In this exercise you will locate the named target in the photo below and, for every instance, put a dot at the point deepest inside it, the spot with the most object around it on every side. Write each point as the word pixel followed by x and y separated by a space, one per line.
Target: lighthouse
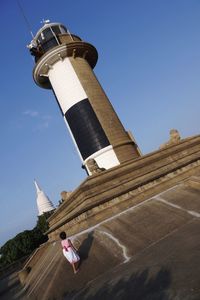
pixel 64 63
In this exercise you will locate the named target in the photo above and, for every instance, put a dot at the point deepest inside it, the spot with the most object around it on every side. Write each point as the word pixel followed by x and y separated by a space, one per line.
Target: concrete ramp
pixel 150 251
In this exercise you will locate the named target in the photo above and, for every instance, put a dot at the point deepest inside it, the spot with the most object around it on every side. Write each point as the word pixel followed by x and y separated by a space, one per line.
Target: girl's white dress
pixel 69 252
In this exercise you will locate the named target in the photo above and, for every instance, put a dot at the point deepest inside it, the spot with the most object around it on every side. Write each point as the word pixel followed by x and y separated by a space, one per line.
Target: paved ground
pixel 149 252
pixel 166 270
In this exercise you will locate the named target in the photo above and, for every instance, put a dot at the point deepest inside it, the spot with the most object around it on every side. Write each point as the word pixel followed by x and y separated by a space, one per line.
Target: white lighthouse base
pixel 105 158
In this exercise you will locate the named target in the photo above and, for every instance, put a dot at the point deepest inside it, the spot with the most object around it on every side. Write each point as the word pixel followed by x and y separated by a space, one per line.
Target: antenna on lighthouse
pixel 25 18
pixel 45 21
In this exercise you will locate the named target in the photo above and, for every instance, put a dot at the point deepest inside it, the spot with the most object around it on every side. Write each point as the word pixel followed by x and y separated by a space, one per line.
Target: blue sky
pixel 149 66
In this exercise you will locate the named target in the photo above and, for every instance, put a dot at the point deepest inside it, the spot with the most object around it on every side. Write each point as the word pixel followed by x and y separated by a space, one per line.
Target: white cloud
pixel 31 113
pixel 43 121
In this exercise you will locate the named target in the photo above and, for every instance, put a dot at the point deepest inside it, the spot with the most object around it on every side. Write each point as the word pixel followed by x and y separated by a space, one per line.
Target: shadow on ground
pixel 139 286
pixel 85 247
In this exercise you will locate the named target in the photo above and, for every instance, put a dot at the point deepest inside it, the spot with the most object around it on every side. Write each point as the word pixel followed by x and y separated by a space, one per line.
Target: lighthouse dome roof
pixel 56 28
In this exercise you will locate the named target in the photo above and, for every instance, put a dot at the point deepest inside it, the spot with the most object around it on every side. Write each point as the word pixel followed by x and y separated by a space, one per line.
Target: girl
pixel 69 251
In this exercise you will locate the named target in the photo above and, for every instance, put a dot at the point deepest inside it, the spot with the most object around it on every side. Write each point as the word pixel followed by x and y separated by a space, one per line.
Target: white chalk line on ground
pixel 43 262
pixel 190 212
pixel 119 214
pixel 52 279
pixel 43 274
pixel 31 277
pixel 92 228
pixel 122 247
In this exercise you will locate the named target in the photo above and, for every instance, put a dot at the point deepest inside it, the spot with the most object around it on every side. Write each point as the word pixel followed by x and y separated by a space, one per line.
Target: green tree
pixel 25 242
pixel 42 222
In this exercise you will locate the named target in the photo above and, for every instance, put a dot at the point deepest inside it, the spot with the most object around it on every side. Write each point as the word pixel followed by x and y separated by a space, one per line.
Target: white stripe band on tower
pixel 66 84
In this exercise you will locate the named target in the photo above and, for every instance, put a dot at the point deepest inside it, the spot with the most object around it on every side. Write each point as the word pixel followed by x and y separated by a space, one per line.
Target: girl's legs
pixel 77 265
pixel 74 268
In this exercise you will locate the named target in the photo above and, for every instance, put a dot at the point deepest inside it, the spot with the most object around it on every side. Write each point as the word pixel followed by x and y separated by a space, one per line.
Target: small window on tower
pixel 56 29
pixel 63 29
pixel 48 34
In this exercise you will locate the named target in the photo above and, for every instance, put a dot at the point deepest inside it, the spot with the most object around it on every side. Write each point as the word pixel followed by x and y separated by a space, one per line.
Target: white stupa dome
pixel 43 202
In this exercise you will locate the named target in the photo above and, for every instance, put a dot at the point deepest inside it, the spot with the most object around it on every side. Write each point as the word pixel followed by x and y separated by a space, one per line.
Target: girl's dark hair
pixel 63 235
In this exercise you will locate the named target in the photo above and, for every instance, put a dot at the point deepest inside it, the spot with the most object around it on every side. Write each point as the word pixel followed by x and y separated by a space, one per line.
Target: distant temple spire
pixel 43 202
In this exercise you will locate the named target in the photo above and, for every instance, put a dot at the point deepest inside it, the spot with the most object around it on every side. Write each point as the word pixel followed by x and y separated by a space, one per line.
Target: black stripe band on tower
pixel 86 128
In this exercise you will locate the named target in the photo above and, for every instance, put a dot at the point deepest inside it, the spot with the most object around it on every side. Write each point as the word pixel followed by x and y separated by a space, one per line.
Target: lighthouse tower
pixel 43 202
pixel 64 63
